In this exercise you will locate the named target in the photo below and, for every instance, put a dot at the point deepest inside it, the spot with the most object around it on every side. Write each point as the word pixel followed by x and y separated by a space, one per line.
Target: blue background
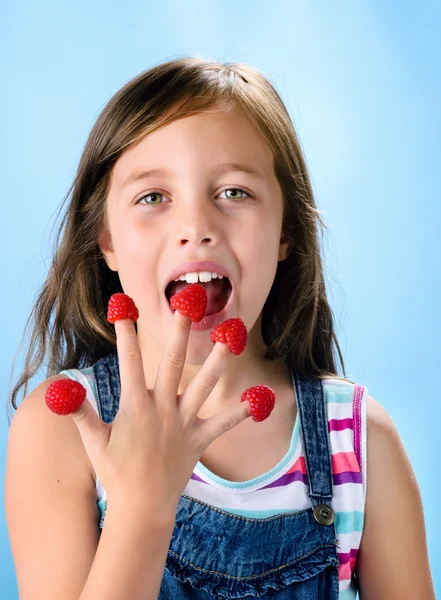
pixel 362 84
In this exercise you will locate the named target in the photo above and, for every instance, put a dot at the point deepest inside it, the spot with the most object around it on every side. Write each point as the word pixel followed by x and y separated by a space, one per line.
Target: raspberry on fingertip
pixel 191 302
pixel 232 332
pixel 64 396
pixel 121 306
pixel 262 400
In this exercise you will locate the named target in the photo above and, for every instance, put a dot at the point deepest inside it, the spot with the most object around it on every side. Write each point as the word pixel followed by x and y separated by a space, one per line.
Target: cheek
pixel 259 241
pixel 137 258
pixel 259 260
pixel 135 244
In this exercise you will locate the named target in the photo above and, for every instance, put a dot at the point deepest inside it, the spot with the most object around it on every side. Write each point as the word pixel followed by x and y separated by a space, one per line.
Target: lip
pixel 197 266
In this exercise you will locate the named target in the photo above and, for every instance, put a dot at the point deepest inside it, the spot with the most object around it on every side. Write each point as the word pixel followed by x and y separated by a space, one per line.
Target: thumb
pixel 227 419
pixel 93 431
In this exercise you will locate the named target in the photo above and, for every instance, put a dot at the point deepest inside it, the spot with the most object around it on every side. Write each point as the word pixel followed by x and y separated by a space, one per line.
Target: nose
pixel 197 226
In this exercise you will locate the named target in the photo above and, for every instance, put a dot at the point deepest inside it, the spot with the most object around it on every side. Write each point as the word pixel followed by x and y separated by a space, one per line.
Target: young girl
pixel 160 485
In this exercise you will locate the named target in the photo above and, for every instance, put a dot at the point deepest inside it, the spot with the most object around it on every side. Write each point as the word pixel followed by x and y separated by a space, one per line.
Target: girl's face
pixel 196 207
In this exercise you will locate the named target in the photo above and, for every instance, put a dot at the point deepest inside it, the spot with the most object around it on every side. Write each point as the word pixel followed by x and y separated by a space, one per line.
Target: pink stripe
pixel 356 415
pixel 339 424
pixel 344 461
pixel 345 571
pixel 299 465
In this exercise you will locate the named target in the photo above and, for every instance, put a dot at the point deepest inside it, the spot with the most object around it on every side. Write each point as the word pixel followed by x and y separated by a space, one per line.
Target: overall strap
pixel 106 372
pixel 311 405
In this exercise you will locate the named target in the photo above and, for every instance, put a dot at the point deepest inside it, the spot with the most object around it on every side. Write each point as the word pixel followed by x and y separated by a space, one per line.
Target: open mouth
pixel 218 293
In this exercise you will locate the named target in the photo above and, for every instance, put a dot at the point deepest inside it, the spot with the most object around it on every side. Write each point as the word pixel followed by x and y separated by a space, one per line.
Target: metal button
pixel 324 514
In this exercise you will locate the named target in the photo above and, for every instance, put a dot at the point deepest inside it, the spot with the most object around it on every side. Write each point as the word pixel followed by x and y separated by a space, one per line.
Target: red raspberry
pixel 64 396
pixel 262 400
pixel 232 332
pixel 120 307
pixel 191 302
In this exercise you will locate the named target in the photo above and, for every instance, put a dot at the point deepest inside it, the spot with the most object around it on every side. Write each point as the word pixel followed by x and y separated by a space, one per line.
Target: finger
pixel 173 360
pixel 129 358
pixel 227 419
pixel 203 384
pixel 92 429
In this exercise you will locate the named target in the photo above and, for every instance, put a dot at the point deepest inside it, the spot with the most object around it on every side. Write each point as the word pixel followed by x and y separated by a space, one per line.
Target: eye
pixel 158 195
pixel 233 198
pixel 148 196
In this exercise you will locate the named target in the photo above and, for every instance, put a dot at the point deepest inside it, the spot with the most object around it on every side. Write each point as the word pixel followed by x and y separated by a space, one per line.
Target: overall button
pixel 324 514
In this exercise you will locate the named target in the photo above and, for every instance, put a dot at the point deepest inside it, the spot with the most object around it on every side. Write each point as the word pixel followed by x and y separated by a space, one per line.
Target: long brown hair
pixel 69 325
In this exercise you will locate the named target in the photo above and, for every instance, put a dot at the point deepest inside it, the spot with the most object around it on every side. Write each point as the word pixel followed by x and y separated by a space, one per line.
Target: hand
pixel 156 438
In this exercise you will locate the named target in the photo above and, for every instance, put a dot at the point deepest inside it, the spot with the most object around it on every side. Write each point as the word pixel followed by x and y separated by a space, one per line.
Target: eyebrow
pixel 219 170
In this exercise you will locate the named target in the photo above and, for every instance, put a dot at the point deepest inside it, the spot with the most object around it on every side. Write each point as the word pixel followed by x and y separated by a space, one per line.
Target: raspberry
pixel 191 302
pixel 232 332
pixel 64 396
pixel 120 307
pixel 262 400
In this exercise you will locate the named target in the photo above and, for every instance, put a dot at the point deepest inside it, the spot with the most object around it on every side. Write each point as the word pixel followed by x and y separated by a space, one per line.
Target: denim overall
pixel 216 554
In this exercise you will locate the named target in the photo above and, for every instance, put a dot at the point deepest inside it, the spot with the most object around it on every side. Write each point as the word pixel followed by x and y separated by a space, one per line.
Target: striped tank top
pixel 284 488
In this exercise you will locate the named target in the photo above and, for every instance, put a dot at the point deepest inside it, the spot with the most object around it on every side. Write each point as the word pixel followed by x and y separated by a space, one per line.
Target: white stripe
pixel 339 410
pixel 342 441
pixel 348 541
pixel 348 497
pixel 290 497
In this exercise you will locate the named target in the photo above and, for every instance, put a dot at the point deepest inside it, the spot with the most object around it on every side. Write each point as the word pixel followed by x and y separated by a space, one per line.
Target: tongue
pixel 216 293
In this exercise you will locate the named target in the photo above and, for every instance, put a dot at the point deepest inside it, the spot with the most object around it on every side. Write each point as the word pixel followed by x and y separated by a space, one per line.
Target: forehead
pixel 197 142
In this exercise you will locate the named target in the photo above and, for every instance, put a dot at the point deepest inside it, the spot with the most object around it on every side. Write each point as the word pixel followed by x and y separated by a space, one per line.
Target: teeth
pixel 203 277
pixel 191 277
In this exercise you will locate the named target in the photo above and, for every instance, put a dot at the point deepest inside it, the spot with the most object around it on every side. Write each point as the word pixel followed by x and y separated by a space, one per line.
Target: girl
pixel 160 485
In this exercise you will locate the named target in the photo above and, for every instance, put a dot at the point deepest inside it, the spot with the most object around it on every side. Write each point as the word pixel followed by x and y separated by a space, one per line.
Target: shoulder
pixel 33 419
pixel 50 500
pixel 393 560
pixel 34 402
pixel 389 471
pixel 377 417
pixel 385 449
pixel 391 481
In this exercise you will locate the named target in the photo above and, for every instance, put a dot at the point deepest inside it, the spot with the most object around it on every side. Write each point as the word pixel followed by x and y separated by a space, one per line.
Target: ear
pixel 106 247
pixel 283 250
